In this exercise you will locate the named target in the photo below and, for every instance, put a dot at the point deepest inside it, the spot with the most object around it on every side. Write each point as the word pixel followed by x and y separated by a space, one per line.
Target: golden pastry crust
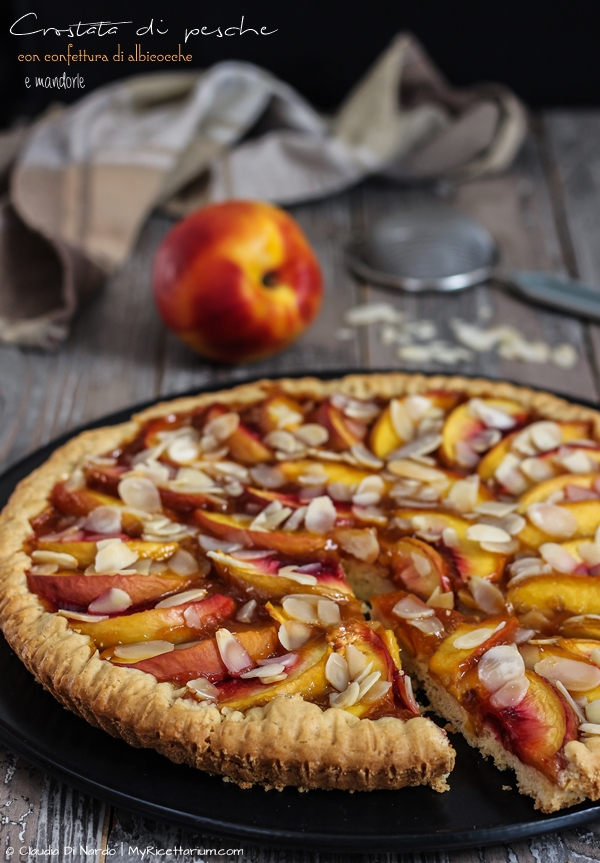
pixel 290 741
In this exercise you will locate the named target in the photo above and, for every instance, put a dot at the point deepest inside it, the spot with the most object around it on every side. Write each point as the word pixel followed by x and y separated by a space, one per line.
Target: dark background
pixel 547 52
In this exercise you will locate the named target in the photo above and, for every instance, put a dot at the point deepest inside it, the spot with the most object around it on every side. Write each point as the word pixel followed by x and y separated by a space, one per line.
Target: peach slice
pixel 265 497
pixel 306 677
pixel 555 597
pixel 379 647
pixel 537 728
pixel 260 578
pixel 65 590
pixel 80 502
pixel 542 491
pixel 227 528
pixel 461 425
pixel 343 433
pixel 384 438
pixel 332 471
pixel 244 444
pixel 85 552
pixel 587 517
pixel 413 640
pixel 280 411
pixel 469 557
pixel 176 624
pixel 204 659
pixel 419 567
pixel 491 460
pixel 452 662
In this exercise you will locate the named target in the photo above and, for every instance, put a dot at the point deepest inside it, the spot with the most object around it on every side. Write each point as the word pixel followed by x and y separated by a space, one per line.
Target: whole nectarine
pixel 237 281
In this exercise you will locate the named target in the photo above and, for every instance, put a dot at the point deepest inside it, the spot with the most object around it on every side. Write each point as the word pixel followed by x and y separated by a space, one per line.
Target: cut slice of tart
pixel 512 696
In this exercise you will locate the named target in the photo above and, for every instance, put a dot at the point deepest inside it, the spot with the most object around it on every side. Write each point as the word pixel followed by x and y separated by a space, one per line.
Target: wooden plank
pixel 574 149
pixel 20 794
pixel 68 819
pixel 516 209
pixel 109 362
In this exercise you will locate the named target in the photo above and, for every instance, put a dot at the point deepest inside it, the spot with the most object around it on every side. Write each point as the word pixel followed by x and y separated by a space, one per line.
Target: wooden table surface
pixel 544 213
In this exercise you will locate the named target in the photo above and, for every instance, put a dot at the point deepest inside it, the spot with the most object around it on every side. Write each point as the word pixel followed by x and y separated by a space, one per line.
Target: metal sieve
pixel 435 248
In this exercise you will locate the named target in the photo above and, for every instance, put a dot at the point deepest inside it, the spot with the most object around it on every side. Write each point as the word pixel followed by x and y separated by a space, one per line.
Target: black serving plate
pixel 476 811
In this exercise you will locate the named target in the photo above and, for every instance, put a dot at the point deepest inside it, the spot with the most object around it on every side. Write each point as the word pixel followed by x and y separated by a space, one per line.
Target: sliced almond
pixel 347 698
pixel 142 650
pixel 576 676
pixel 441 599
pixel 577 461
pixel 62 560
pixel 233 653
pixel 111 601
pixel 552 519
pixel 291 572
pixel 545 435
pixel 428 626
pixel 84 618
pixel 498 665
pixel 412 608
pixel 508 474
pixel 268 476
pixel 183 563
pixel 312 434
pixel 592 711
pixel 490 416
pixel 181 598
pixel 495 508
pixel 320 515
pixel 558 557
pixel 293 634
pixel 365 457
pixel 536 469
pixel 473 638
pixel 401 421
pixel 328 612
pixel 299 609
pixel 336 672
pixel 370 515
pixel 203 688
pixel 511 694
pixel 412 470
pixel 488 597
pixel 103 519
pixel 246 612
pixel 464 493
pixel 487 533
pixel 113 556
pixel 265 673
pixel 360 543
pixel 222 427
pixel 140 493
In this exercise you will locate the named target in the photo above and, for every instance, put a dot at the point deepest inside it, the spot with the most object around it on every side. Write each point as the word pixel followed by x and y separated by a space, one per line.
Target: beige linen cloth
pixel 83 179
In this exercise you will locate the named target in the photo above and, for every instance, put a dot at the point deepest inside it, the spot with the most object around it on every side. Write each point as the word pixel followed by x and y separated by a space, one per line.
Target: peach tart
pixel 245 580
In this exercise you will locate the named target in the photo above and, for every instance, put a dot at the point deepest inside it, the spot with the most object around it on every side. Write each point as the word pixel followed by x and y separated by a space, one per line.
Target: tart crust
pixel 289 741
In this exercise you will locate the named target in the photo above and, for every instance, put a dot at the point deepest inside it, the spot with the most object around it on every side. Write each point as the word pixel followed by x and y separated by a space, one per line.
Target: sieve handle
pixel 567 295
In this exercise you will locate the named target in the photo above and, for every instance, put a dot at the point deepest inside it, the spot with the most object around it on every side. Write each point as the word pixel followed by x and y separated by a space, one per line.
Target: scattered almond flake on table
pixel 373 313
pixel 434 352
pixel 416 340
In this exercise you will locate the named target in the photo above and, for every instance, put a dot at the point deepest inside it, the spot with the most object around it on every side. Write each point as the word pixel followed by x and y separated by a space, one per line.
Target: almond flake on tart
pixel 231 579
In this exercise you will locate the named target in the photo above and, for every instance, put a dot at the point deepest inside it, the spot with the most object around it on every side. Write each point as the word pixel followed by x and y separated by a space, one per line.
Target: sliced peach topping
pixel 465 424
pixel 176 624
